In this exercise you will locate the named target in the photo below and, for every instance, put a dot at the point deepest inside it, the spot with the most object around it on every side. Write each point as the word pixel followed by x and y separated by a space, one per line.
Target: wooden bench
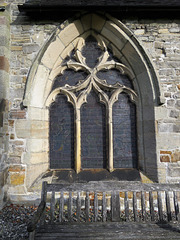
pixel 106 206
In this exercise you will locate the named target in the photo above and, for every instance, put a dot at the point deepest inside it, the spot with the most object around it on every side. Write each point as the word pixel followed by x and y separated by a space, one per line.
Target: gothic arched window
pixel 93 117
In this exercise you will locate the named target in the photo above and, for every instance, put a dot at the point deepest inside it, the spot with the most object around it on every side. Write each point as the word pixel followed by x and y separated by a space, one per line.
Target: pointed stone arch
pixel 127 49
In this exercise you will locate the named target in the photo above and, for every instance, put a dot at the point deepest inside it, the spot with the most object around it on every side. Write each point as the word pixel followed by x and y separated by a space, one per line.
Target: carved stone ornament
pixel 101 87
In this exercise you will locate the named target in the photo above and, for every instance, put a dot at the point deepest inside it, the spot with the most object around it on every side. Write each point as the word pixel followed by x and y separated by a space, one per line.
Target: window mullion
pixel 110 138
pixel 77 140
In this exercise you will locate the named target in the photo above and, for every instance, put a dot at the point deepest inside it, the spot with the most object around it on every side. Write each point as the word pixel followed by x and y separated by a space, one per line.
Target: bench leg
pixel 31 235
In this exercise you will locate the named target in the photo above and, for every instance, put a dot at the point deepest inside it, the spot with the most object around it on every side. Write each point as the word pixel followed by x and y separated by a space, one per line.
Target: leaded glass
pixel 93 133
pixel 61 134
pixel 124 132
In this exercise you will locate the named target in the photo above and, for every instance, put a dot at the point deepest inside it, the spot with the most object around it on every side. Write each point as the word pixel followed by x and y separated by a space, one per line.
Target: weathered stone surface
pixel 16 168
pixel 52 53
pixel 38 98
pixel 68 34
pixel 97 22
pixel 17 114
pixel 30 48
pixel 22 128
pixel 174 114
pixel 37 145
pixel 165 158
pixel 112 33
pixel 166 127
pixel 139 32
pixel 17 179
pixel 34 171
pixel 4 63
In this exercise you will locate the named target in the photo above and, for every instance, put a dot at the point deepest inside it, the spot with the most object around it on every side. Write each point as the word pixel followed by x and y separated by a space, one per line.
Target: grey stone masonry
pixel 4 95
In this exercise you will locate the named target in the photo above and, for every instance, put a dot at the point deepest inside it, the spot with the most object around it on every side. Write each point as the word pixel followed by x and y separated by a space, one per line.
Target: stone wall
pixel 4 94
pixel 161 41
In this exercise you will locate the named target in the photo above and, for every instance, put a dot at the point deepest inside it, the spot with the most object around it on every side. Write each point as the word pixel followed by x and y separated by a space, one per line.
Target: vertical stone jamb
pixel 4 94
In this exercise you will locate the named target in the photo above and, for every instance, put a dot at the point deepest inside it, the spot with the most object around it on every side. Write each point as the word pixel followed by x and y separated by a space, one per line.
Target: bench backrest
pixel 109 202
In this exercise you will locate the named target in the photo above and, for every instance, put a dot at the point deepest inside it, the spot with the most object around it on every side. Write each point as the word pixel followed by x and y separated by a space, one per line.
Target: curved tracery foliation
pixel 97 86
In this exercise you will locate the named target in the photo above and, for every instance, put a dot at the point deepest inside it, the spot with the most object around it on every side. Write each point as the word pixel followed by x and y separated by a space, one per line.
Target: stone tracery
pixel 78 93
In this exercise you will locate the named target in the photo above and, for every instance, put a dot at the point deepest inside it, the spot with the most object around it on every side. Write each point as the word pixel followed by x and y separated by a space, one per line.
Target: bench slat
pixel 61 207
pixel 151 206
pixel 104 209
pixel 176 206
pixel 126 205
pixel 143 206
pixel 78 206
pixel 168 207
pixel 115 206
pixel 52 206
pixel 70 207
pixel 44 198
pixel 135 207
pixel 87 205
pixel 160 211
pixel 95 207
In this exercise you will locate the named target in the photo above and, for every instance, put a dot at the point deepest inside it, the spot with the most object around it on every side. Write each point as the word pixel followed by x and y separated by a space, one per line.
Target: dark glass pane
pixel 124 133
pixel 69 77
pixel 61 133
pixel 113 76
pixel 91 51
pixel 93 133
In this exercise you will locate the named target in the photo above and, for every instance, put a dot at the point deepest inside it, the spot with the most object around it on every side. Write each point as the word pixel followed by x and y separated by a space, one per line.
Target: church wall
pixel 25 129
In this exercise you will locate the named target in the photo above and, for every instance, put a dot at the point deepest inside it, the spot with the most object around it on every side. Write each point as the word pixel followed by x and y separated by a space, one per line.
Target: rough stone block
pixel 173 170
pixel 114 34
pixel 38 113
pixel 97 22
pixel 11 123
pixel 86 21
pixel 174 114
pixel 37 145
pixel 4 64
pixel 14 160
pixel 177 105
pixel 16 168
pixel 176 127
pixel 27 49
pixel 37 158
pixel 175 156
pixel 37 91
pixel 163 31
pixel 16 48
pixel 160 112
pixel 170 103
pixel 39 129
pixel 34 171
pixel 66 52
pixel 17 114
pixel 17 178
pixel 139 32
pixel 72 31
pixel 165 158
pixel 52 53
pixel 165 152
pixel 166 127
pixel 134 60
pixel 22 128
